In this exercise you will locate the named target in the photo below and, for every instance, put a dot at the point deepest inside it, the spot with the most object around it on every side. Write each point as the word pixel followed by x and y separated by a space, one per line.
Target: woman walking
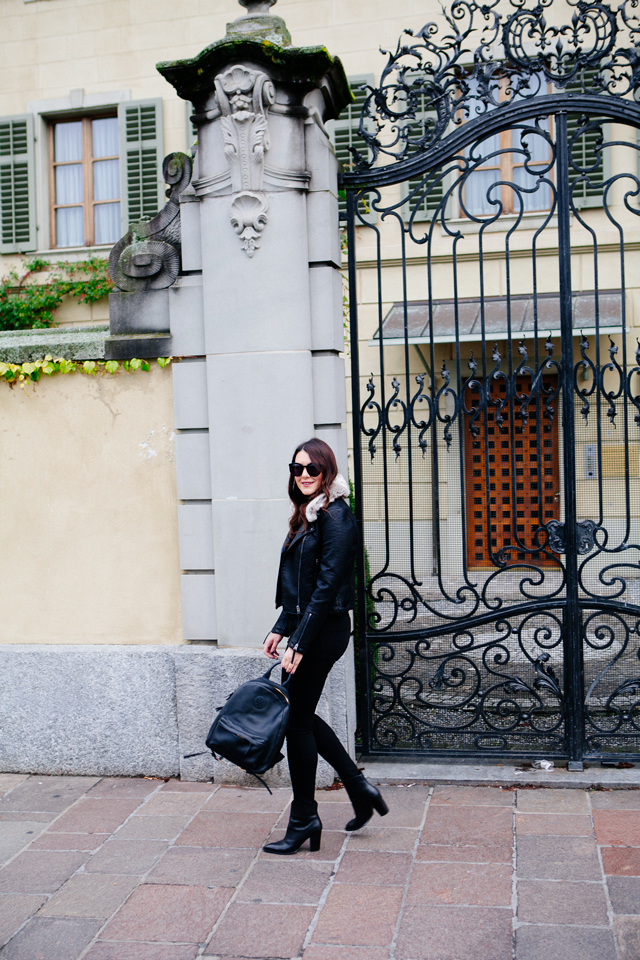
pixel 316 591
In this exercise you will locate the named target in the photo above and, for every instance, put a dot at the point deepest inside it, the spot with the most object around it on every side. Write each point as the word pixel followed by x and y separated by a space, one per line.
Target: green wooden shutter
pixel 584 155
pixel 141 154
pixel 344 131
pixel 17 185
pixel 434 191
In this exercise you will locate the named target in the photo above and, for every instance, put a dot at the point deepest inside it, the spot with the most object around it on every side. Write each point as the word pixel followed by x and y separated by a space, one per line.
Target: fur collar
pixel 339 488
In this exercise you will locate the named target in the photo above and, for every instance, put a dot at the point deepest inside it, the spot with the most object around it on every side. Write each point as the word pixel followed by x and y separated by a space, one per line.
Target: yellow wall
pixel 89 511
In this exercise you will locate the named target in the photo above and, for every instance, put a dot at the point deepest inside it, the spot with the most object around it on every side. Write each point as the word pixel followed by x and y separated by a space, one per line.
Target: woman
pixel 315 590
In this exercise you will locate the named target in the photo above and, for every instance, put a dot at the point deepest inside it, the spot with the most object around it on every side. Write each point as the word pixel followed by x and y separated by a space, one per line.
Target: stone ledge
pixel 499 775
pixel 72 343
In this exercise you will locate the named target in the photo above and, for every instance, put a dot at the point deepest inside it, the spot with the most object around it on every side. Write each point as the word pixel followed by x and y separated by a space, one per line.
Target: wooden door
pixel 536 484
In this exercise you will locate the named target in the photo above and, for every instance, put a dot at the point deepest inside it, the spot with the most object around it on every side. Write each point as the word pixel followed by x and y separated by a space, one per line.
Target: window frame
pixel 88 201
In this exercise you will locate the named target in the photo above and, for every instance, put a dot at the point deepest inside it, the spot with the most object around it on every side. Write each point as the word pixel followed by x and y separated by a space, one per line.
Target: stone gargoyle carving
pixel 244 95
pixel 148 256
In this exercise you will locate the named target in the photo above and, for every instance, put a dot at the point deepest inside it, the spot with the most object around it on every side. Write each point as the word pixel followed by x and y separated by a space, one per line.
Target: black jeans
pixel 307 734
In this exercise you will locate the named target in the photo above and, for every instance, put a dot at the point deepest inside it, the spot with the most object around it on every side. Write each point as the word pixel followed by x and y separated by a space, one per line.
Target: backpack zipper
pixel 299 574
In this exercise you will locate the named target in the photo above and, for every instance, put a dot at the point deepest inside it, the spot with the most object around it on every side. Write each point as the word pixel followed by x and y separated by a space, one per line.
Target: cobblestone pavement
pixel 137 869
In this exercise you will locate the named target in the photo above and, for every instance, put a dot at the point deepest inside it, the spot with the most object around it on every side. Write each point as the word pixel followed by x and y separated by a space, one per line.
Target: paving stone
pixel 621 861
pixel 464 824
pixel 615 799
pixel 168 913
pixel 285 882
pixel 261 930
pixel 228 829
pixel 387 839
pixel 172 804
pixel 617 827
pixel 628 934
pixel 454 933
pixel 335 816
pixel 465 852
pixel 46 794
pixel 330 847
pixel 557 858
pixel 9 781
pixel 15 836
pixel 69 841
pixel 142 951
pixel 202 866
pixel 553 824
pixel 94 816
pixel 248 800
pixel 40 871
pixel 552 801
pixel 352 916
pixel 326 952
pixel 123 788
pixel 90 895
pixel 534 942
pixel 14 910
pixel 483 885
pixel 49 938
pixel 553 901
pixel 179 786
pixel 360 866
pixel 22 816
pixel 478 796
pixel 331 795
pixel 134 857
pixel 406 805
pixel 624 893
pixel 153 828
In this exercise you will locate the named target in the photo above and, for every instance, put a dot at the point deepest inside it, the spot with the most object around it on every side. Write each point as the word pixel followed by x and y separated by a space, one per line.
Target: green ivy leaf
pixel 90 367
pixel 135 364
pixel 112 366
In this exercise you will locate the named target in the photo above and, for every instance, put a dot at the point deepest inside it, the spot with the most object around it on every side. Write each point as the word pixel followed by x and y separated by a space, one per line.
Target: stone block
pixel 192 466
pixel 336 437
pixel 327 314
pixel 329 400
pixel 186 317
pixel 254 304
pixel 195 533
pixel 199 620
pixel 324 233
pixel 321 160
pixel 145 311
pixel 260 409
pixel 130 346
pixel 101 710
pixel 190 229
pixel 83 343
pixel 190 395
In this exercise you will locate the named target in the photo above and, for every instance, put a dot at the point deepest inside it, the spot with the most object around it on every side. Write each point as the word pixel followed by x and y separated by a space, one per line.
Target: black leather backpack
pixel 249 729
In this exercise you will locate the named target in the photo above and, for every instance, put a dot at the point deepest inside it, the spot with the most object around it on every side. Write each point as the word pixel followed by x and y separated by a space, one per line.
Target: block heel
pixel 314 841
pixel 381 806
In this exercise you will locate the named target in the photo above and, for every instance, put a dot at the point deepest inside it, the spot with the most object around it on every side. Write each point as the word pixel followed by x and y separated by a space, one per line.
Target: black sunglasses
pixel 297 469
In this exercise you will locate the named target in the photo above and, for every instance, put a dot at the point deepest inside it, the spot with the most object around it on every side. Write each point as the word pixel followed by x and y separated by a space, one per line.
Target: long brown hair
pixel 322 454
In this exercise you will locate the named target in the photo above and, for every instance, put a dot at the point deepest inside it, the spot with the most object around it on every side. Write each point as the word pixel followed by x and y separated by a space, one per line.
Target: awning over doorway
pixel 495 318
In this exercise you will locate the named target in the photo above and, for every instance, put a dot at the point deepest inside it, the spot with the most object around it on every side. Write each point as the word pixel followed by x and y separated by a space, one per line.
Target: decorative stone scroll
pixel 148 256
pixel 244 95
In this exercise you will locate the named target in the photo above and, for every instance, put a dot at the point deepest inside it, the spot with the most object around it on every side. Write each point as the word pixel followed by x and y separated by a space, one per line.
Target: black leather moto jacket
pixel 316 576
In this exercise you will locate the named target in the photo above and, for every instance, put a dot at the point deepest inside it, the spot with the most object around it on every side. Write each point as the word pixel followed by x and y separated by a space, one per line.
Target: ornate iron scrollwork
pixel 586 535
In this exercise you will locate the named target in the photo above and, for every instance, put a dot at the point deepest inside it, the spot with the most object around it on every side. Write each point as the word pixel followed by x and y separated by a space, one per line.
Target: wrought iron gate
pixel 493 234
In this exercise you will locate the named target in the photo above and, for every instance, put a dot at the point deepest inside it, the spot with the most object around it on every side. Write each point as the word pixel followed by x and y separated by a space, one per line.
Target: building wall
pixel 89 511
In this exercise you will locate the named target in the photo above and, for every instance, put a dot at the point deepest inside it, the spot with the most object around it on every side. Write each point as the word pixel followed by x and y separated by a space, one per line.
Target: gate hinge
pixel 586 535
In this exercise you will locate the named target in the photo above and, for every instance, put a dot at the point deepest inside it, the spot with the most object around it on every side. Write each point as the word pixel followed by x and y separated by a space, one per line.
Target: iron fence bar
pixel 357 473
pixel 573 652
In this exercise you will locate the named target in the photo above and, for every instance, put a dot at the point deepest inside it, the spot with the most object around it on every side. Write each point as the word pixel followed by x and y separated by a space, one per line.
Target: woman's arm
pixel 339 541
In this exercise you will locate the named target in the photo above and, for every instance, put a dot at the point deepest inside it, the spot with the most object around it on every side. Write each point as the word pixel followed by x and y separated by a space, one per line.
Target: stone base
pixel 115 710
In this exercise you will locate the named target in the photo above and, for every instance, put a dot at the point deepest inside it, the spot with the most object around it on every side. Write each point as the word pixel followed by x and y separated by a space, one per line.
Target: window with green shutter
pixel 141 153
pixel 344 131
pixel 17 186
pixel 427 200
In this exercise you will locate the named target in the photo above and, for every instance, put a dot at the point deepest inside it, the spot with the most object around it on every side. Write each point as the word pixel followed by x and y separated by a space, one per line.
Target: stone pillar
pixel 261 221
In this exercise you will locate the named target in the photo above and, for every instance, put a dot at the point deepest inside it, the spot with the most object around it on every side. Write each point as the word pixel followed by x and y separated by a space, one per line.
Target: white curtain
pixel 69 186
pixel 106 180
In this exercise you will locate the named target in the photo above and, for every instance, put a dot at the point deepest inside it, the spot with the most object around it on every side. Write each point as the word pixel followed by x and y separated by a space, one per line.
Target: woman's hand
pixel 271 645
pixel 291 660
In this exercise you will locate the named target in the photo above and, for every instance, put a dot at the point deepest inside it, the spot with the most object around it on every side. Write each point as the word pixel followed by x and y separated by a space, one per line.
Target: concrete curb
pixel 501 775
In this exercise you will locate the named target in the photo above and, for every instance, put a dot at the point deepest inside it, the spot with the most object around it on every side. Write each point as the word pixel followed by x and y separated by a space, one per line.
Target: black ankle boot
pixel 365 798
pixel 304 824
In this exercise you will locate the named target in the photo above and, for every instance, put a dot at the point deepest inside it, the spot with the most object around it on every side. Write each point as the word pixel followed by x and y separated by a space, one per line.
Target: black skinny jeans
pixel 307 734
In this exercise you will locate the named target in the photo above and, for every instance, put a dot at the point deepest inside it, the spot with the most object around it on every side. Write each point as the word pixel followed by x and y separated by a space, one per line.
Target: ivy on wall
pixel 30 294
pixel 22 373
